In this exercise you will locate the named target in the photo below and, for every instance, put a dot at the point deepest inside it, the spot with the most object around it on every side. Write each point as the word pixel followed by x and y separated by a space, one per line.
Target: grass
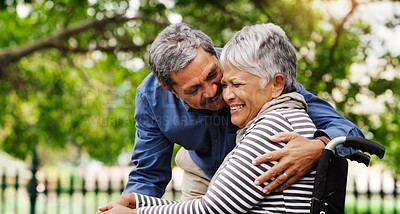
pixel 375 204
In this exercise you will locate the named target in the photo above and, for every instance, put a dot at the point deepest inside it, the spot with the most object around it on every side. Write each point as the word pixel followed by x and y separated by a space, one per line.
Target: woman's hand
pixel 126 200
pixel 296 159
pixel 118 209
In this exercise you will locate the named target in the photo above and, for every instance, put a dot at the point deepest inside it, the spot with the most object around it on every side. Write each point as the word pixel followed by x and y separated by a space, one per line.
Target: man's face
pixel 198 84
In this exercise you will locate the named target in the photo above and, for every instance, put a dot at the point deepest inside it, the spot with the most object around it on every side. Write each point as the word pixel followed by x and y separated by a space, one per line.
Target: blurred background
pixel 69 70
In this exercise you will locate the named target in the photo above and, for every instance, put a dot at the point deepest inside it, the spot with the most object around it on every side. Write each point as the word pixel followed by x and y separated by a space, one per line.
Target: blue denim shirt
pixel 163 120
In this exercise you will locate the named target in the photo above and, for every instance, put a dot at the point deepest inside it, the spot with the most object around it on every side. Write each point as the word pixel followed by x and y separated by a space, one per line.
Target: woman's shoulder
pixel 277 115
pixel 271 123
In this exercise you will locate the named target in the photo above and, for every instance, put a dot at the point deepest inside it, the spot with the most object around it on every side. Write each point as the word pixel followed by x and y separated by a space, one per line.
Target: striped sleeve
pixel 234 191
pixel 143 201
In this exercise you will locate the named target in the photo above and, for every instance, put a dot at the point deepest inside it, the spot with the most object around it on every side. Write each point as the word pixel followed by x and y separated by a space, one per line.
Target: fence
pixel 20 193
pixel 369 191
pixel 57 190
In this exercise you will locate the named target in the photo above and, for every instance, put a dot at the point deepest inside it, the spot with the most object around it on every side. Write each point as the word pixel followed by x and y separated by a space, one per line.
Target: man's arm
pixel 328 121
pixel 300 155
pixel 152 154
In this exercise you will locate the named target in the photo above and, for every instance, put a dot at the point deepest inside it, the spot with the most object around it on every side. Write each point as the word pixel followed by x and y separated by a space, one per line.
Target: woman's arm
pixel 234 190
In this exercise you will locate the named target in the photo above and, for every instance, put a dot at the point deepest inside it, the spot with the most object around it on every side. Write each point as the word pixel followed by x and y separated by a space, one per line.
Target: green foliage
pixel 77 90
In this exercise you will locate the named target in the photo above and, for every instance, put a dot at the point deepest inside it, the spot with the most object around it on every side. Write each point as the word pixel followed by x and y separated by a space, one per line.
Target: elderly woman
pixel 259 77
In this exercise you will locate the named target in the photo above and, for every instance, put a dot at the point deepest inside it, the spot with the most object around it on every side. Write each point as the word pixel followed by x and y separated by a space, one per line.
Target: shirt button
pixel 215 140
pixel 342 151
pixel 217 163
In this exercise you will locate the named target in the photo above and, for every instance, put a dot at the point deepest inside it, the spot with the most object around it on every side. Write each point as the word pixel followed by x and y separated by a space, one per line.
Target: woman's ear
pixel 278 85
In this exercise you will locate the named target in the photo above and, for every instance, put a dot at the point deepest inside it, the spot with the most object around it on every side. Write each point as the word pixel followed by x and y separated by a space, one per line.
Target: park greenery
pixel 69 68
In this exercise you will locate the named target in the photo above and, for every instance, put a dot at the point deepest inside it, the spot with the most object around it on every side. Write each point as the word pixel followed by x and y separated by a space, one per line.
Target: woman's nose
pixel 228 94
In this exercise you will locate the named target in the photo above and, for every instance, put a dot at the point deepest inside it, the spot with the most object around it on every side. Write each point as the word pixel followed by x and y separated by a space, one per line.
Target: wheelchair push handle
pixel 362 144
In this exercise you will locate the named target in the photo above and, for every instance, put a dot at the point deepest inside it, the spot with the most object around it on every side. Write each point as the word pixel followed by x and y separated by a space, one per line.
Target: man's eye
pixel 212 76
pixel 192 91
pixel 236 85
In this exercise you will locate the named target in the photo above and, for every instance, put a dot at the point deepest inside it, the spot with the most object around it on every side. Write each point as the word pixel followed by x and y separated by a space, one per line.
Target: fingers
pixel 270 156
pixel 104 208
pixel 280 179
pixel 276 155
pixel 285 175
pixel 277 169
pixel 296 159
pixel 281 182
pixel 284 185
pixel 284 137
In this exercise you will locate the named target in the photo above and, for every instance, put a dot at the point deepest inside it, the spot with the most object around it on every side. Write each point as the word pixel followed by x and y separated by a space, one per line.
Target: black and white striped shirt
pixel 234 190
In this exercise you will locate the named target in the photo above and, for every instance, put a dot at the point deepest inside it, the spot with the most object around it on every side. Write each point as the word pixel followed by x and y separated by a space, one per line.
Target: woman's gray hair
pixel 174 48
pixel 262 50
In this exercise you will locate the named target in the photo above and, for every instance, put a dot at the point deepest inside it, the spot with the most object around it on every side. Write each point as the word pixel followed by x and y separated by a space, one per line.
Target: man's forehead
pixel 195 76
pixel 198 70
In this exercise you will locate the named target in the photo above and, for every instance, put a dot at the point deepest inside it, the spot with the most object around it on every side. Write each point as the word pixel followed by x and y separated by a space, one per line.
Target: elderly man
pixel 259 85
pixel 181 102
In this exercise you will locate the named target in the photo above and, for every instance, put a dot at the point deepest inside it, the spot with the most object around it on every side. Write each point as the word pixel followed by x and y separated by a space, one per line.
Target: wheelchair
pixel 331 178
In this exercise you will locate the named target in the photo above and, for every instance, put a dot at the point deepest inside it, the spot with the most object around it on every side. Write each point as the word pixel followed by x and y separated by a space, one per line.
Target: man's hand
pixel 125 200
pixel 296 160
pixel 120 210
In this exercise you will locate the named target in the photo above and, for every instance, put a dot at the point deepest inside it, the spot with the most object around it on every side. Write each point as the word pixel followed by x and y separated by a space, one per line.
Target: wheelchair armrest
pixel 360 158
pixel 365 145
pixel 362 144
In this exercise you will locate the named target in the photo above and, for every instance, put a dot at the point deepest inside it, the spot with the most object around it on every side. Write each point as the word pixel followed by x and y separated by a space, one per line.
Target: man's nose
pixel 210 90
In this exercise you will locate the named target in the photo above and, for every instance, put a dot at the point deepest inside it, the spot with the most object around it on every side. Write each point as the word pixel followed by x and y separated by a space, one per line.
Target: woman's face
pixel 243 94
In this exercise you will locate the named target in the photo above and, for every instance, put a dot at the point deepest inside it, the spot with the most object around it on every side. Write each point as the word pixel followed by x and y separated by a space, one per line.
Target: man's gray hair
pixel 174 48
pixel 262 50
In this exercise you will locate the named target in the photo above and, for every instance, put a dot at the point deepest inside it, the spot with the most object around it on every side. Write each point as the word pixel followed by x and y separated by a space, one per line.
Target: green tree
pixel 69 68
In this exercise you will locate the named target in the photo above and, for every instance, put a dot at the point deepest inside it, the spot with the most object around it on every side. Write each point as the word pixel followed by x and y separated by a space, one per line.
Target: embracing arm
pixel 328 121
pixel 300 155
pixel 233 190
pixel 151 156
